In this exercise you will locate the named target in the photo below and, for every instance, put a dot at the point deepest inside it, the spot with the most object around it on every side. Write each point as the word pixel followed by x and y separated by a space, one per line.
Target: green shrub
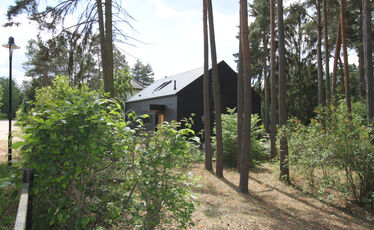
pixel 93 170
pixel 10 190
pixel 335 151
pixel 230 139
pixel 3 116
pixel 164 186
pixel 70 141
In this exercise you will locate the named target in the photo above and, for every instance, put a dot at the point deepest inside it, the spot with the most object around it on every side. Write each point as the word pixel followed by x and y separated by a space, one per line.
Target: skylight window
pixel 162 86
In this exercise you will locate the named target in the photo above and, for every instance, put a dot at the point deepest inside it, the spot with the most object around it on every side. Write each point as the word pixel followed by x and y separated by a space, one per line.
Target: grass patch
pixel 213 211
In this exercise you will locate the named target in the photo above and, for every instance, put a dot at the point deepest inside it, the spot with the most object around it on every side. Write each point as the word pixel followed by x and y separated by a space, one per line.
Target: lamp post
pixel 11 46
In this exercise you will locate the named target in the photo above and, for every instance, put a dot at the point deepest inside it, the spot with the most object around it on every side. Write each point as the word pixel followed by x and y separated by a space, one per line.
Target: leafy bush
pixel 92 170
pixel 230 139
pixel 3 116
pixel 10 190
pixel 69 140
pixel 164 187
pixel 333 147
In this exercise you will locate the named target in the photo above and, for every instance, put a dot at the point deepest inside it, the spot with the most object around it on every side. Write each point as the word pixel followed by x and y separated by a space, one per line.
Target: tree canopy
pixel 143 73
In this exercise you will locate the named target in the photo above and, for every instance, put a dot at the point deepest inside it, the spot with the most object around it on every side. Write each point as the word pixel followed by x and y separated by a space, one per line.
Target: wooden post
pixel 24 213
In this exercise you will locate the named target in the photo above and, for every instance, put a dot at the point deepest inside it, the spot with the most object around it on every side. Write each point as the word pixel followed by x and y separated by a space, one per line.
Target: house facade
pixel 179 96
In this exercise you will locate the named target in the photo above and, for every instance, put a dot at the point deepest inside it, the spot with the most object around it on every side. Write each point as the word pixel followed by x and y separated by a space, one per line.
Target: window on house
pixel 162 86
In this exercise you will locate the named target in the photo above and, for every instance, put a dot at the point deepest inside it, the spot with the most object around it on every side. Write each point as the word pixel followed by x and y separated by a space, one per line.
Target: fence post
pixel 24 213
pixel 28 177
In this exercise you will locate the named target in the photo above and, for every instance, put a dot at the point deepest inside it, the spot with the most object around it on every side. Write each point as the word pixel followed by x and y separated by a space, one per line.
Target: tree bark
pixel 45 77
pixel 207 138
pixel 217 94
pixel 273 149
pixel 341 67
pixel 246 148
pixel 345 55
pixel 336 59
pixel 327 52
pixel 266 87
pixel 360 56
pixel 368 66
pixel 106 44
pixel 100 15
pixel 284 170
pixel 108 75
pixel 361 74
pixel 319 53
pixel 240 102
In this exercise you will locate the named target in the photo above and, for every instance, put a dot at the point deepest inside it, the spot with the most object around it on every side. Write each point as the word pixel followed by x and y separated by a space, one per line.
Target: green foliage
pixel 47 59
pixel 230 134
pixel 28 90
pixel 122 84
pixel 164 187
pixel 197 154
pixel 1 95
pixel 3 116
pixel 16 96
pixel 335 151
pixel 142 73
pixel 69 142
pixel 92 170
pixel 10 189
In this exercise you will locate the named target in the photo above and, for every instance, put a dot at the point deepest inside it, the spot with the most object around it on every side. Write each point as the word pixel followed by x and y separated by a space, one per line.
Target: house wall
pixel 191 98
pixel 190 101
pixel 142 107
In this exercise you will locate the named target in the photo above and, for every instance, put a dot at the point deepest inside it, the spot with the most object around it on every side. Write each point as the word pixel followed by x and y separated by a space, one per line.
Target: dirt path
pixel 269 205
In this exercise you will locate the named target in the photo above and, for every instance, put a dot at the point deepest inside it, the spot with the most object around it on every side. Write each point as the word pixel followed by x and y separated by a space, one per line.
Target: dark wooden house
pixel 179 96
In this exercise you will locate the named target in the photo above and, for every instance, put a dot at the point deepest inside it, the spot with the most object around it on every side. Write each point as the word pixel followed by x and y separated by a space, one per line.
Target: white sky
pixel 171 32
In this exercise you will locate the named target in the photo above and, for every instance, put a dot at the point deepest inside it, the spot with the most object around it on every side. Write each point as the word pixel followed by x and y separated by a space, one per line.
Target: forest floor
pixel 270 204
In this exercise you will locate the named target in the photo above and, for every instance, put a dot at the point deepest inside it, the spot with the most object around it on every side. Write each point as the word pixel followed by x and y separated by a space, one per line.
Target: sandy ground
pixel 4 127
pixel 270 204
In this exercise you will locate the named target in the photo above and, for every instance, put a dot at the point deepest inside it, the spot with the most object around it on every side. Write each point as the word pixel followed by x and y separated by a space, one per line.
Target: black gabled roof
pixel 165 87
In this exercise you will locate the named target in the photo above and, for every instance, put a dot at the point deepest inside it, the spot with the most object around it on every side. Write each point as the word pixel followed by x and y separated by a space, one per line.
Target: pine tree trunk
pixel 207 138
pixel 45 77
pixel 327 52
pixel 108 75
pixel 368 59
pixel 217 94
pixel 106 44
pixel 273 149
pixel 266 87
pixel 361 74
pixel 336 59
pixel 100 15
pixel 360 56
pixel 240 102
pixel 284 170
pixel 319 53
pixel 345 55
pixel 243 183
pixel 342 85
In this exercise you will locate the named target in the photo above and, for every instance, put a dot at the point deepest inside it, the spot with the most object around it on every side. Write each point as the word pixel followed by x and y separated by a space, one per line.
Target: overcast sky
pixel 170 32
